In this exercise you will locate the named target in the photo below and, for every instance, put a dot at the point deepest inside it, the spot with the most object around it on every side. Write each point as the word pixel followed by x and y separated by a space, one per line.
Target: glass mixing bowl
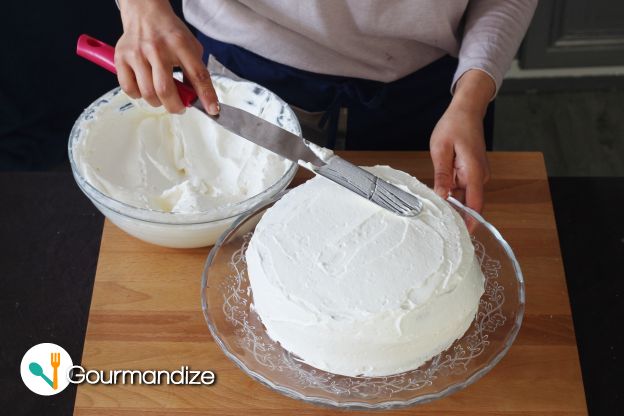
pixel 227 299
pixel 178 230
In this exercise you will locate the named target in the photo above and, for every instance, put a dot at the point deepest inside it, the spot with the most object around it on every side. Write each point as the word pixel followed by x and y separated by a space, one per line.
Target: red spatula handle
pixel 103 55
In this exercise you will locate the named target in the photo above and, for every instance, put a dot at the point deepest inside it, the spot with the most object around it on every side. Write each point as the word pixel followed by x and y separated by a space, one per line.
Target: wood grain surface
pixel 146 313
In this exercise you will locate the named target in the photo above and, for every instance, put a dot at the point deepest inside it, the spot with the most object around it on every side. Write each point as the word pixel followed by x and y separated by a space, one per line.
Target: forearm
pixel 492 34
pixel 473 92
pixel 129 8
pixel 125 4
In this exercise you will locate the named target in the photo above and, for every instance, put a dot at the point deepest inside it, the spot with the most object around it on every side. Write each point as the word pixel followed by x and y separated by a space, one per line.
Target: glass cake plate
pixel 237 329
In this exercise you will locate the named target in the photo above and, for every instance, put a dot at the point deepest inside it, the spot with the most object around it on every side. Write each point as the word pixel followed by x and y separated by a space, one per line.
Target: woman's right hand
pixel 155 41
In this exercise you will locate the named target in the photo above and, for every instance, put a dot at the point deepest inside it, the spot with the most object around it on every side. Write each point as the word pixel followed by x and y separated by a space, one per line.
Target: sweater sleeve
pixel 493 30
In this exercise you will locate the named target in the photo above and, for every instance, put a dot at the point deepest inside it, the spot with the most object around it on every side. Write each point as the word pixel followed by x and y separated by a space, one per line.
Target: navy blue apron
pixel 398 115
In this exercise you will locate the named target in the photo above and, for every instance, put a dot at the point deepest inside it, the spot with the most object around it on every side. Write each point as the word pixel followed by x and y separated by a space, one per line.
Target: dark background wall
pixel 575 33
pixel 44 86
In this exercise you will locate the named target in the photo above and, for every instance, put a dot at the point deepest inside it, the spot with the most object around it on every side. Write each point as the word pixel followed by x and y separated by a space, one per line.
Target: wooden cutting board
pixel 146 313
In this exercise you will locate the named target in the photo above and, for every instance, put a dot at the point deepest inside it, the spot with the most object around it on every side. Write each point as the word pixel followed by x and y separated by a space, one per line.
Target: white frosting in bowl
pixel 353 289
pixel 177 180
pixel 177 163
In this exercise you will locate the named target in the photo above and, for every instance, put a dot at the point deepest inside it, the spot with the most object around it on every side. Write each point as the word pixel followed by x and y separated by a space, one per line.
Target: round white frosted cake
pixel 353 289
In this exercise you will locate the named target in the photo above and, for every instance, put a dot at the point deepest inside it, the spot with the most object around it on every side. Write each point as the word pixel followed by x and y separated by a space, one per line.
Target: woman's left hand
pixel 457 143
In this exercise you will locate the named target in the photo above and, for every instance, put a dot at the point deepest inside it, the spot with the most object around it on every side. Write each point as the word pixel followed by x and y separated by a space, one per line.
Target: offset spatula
pixel 282 142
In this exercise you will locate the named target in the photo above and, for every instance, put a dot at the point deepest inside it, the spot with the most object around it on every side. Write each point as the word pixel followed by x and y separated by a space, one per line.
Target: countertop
pixel 49 242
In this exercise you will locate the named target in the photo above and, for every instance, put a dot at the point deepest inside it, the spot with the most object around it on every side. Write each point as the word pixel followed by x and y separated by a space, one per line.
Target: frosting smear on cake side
pixel 353 289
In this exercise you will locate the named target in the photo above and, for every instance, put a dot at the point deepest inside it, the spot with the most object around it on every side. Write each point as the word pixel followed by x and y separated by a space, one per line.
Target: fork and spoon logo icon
pixel 55 361
pixel 37 379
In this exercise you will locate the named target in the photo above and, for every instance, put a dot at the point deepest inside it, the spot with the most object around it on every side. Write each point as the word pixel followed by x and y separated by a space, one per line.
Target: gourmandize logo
pixel 55 361
pixel 44 369
pixel 47 369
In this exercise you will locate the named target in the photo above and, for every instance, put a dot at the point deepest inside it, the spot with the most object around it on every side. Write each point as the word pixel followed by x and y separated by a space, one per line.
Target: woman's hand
pixel 457 143
pixel 154 41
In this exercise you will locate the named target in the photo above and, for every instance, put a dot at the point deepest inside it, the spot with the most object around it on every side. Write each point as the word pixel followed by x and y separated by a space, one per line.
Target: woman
pixel 388 64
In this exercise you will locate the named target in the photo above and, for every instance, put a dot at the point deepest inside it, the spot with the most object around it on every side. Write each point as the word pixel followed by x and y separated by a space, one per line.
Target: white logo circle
pixel 44 369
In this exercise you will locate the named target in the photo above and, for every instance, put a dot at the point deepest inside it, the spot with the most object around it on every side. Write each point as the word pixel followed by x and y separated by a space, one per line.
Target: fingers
pixel 147 73
pixel 143 75
pixel 474 200
pixel 474 191
pixel 145 62
pixel 197 73
pixel 474 196
pixel 471 222
pixel 164 86
pixel 442 156
pixel 477 176
pixel 125 75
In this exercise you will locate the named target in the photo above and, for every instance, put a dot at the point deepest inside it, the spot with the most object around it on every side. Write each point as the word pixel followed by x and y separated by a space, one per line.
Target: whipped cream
pixel 353 289
pixel 323 153
pixel 180 163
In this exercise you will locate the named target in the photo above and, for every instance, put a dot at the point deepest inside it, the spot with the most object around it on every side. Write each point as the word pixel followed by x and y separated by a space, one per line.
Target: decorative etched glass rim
pixel 359 405
pixel 161 217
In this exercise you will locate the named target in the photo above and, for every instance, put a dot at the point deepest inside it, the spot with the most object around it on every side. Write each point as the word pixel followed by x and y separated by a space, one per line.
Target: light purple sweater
pixel 382 40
